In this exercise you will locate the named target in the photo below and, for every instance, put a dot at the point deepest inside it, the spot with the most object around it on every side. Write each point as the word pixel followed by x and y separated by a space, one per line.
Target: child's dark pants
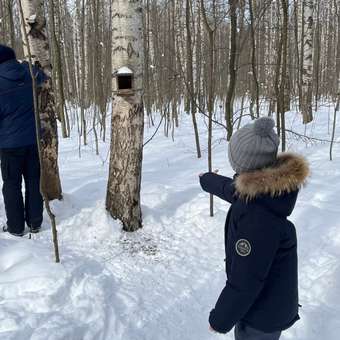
pixel 245 332
pixel 16 164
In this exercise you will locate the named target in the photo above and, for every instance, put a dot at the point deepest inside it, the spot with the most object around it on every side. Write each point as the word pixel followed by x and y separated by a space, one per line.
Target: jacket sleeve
pixel 248 271
pixel 218 185
pixel 39 74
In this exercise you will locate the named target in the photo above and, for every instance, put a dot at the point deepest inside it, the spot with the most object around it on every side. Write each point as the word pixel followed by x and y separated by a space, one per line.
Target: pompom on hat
pixel 254 146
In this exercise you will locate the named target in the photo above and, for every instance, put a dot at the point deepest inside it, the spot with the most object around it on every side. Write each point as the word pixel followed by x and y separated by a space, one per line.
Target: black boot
pixel 34 229
pixel 5 229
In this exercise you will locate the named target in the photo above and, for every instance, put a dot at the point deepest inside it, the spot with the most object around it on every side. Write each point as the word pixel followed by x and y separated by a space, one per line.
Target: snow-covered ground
pixel 160 282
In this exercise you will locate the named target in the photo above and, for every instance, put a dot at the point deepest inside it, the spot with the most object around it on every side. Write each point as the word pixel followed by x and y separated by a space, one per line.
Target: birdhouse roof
pixel 124 70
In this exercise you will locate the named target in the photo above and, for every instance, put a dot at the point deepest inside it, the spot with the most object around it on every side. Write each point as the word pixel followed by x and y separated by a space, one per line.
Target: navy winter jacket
pixel 17 124
pixel 260 245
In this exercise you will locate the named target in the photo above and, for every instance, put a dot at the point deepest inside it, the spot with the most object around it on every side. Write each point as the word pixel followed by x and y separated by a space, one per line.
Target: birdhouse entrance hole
pixel 124 82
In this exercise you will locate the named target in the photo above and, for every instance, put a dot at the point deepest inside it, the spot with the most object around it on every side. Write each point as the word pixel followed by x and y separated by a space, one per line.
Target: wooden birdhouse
pixel 124 82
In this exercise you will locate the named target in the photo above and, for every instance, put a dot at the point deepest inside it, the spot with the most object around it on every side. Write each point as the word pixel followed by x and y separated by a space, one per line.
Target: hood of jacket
pixel 12 70
pixel 277 186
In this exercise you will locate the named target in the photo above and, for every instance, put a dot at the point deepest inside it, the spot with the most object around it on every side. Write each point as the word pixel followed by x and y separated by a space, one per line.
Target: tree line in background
pixel 224 59
pixel 203 53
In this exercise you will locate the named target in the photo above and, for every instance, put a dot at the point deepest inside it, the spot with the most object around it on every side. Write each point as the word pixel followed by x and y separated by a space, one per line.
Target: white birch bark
pixel 337 106
pixel 35 26
pixel 307 70
pixel 123 191
pixel 76 56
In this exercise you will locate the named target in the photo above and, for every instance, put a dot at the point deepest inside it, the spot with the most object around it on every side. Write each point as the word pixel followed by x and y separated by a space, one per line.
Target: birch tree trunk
pixel 123 190
pixel 337 106
pixel 307 71
pixel 10 5
pixel 58 73
pixel 255 93
pixel 282 93
pixel 278 69
pixel 83 88
pixel 211 89
pixel 190 77
pixel 35 25
pixel 229 103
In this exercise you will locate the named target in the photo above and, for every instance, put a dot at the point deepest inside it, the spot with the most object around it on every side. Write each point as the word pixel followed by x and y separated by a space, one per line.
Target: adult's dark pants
pixel 245 332
pixel 18 164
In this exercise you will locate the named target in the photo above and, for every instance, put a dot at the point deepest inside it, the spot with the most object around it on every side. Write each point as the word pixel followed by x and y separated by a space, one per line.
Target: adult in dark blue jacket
pixel 18 150
pixel 261 294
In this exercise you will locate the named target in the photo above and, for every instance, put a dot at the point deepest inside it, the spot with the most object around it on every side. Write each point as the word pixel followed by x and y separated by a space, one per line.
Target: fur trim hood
pixel 288 174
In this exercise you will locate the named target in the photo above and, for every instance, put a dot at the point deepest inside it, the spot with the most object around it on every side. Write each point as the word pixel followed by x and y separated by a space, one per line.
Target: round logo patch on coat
pixel 243 247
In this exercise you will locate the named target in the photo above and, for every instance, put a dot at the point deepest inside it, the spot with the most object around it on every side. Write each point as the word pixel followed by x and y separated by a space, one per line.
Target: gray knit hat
pixel 254 146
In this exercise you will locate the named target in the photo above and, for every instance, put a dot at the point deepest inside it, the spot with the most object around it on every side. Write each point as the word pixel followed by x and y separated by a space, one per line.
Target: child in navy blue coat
pixel 261 294
pixel 18 148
